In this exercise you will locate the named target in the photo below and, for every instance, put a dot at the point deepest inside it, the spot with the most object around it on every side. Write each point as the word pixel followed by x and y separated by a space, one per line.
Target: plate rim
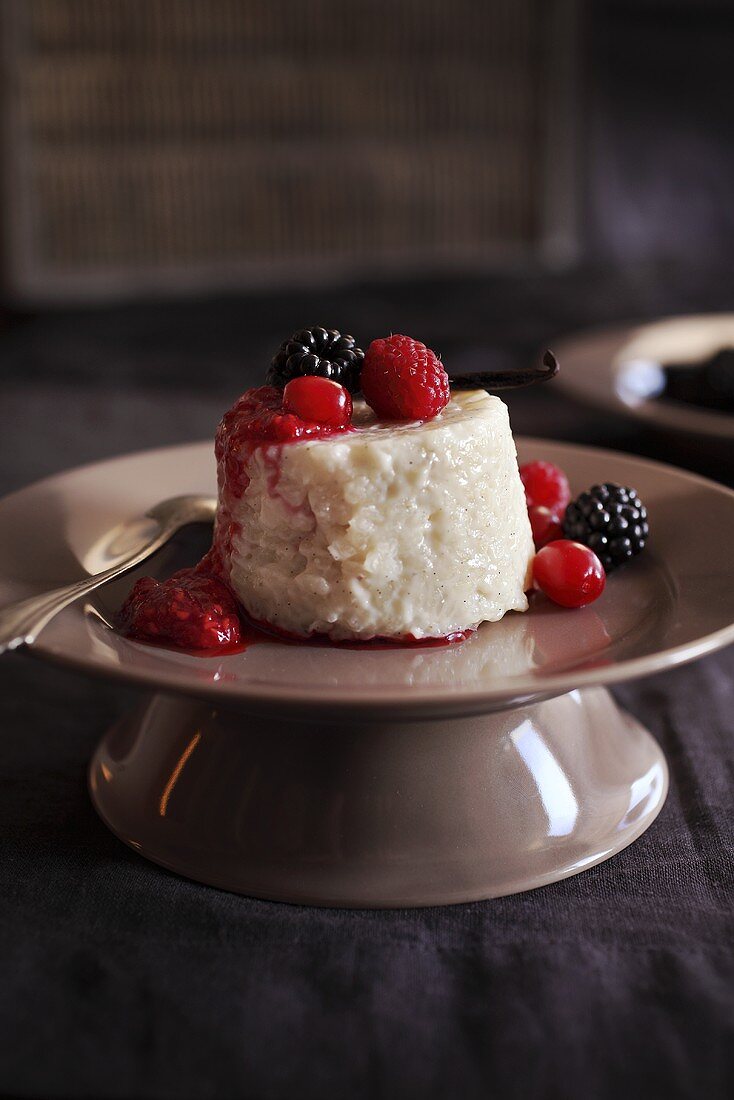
pixel 420 701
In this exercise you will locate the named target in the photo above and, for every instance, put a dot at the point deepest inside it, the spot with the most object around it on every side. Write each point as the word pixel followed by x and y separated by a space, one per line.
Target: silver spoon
pixel 21 622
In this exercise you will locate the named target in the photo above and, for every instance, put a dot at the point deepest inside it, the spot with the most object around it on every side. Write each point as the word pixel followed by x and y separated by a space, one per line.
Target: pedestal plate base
pixel 379 814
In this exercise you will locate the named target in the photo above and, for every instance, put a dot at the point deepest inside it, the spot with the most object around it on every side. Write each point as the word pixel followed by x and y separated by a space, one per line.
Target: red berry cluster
pixel 568 573
pixel 547 492
pixel 579 542
pixel 401 379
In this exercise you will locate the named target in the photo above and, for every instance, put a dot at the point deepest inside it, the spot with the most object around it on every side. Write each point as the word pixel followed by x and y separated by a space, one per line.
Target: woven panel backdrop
pixel 189 143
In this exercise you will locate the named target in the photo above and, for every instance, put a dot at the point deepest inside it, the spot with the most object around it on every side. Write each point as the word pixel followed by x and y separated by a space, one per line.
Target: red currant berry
pixel 319 400
pixel 546 486
pixel 570 574
pixel 545 525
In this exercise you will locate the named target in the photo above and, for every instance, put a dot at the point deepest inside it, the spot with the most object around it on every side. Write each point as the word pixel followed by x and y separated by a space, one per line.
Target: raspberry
pixel 546 486
pixel 402 379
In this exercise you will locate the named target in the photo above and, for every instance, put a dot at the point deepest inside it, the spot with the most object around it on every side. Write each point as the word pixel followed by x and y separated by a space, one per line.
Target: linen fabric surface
pixel 122 980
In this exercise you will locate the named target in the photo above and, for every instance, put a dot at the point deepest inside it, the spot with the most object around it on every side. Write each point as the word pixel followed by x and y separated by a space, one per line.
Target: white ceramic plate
pixel 616 368
pixel 675 603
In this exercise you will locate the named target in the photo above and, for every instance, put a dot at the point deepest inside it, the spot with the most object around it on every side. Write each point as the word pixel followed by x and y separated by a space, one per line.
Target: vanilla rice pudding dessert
pixel 410 528
pixel 400 516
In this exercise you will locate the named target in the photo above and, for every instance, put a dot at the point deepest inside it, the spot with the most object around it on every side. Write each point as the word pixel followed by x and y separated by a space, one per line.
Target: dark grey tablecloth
pixel 121 980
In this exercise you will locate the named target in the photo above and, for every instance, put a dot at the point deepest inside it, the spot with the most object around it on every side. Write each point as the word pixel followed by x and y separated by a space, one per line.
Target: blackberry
pixel 320 351
pixel 611 521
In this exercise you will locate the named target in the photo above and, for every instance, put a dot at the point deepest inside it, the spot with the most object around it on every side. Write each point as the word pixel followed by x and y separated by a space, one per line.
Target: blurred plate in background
pixel 621 370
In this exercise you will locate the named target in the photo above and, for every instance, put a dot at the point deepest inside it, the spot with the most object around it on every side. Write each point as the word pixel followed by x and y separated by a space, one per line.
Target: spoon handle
pixel 507 379
pixel 21 622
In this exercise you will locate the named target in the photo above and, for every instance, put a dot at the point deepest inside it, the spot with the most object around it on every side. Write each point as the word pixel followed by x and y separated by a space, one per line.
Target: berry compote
pixel 191 610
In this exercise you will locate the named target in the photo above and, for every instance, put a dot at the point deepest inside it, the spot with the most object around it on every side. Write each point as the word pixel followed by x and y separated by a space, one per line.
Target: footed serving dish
pixel 379 777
